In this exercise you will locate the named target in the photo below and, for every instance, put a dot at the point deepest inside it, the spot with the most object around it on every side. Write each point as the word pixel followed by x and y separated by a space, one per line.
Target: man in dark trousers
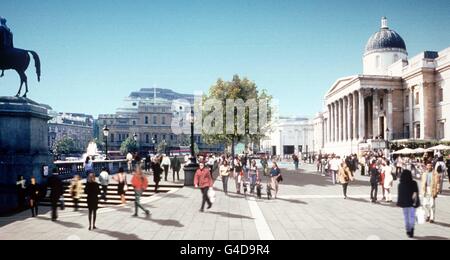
pixel 56 186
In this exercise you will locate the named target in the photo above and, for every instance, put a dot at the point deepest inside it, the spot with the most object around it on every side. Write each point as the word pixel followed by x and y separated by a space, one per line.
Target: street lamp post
pixel 154 145
pixel 191 167
pixel 106 134
pixel 136 139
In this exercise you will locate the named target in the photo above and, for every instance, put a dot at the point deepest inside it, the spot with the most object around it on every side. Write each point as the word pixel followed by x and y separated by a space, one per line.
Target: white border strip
pixel 262 227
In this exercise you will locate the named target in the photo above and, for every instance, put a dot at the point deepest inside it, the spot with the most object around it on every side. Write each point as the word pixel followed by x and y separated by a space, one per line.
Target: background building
pixel 77 126
pixel 148 114
pixel 291 135
pixel 395 99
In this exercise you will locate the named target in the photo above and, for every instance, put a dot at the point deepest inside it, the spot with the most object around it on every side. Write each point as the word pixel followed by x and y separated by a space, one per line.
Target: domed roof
pixel 385 39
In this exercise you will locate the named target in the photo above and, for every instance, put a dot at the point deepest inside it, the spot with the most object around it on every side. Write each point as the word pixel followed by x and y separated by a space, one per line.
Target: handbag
pixel 420 216
pixel 211 195
pixel 280 178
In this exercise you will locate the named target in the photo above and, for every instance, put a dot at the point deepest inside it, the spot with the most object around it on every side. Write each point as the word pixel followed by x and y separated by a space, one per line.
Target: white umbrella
pixel 405 151
pixel 421 150
pixel 440 147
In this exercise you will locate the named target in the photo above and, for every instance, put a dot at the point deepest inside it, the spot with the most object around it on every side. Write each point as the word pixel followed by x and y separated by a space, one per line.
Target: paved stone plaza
pixel 309 207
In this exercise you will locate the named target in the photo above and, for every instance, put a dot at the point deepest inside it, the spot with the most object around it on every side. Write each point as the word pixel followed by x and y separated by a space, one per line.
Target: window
pixel 134 122
pixel 417 98
pixel 381 104
pixel 155 120
pixel 147 139
pixel 156 138
pixel 171 137
pixel 112 138
pixel 164 137
pixel 418 131
pixel 163 120
pixel 128 136
pixel 146 120
pixel 377 62
pixel 441 94
pixel 407 101
pixel 134 104
pixel 441 130
pixel 407 134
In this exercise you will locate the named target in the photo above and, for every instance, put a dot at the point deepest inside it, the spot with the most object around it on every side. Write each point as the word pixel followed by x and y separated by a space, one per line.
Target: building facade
pixel 396 98
pixel 291 135
pixel 78 127
pixel 147 115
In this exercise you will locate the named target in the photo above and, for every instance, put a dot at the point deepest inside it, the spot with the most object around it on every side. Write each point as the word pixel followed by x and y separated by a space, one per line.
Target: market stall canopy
pixel 421 150
pixel 440 147
pixel 405 151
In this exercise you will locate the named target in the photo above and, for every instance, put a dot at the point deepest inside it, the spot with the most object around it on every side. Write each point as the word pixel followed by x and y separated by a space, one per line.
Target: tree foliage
pixel 237 88
pixel 66 146
pixel 129 146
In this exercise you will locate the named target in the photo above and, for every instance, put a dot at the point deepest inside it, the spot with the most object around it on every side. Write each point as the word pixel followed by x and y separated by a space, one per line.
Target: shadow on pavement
pixel 63 223
pixel 293 201
pixel 166 222
pixel 442 224
pixel 229 215
pixel 118 235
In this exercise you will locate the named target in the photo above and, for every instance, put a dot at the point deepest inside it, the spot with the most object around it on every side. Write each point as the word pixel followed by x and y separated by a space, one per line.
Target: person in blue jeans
pixel 275 175
pixel 408 200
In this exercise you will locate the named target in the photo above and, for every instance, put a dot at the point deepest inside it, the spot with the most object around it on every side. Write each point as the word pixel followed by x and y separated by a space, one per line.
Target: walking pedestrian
pixel 203 180
pixel 408 200
pixel 92 190
pixel 104 182
pixel 430 190
pixel 56 187
pixel 345 176
pixel 441 169
pixel 238 174
pixel 334 168
pixel 76 190
pixel 166 165
pixel 374 181
pixel 157 171
pixel 253 175
pixel 140 184
pixel 388 180
pixel 275 175
pixel 34 194
pixel 88 166
pixel 21 188
pixel 225 171
pixel 122 187
pixel 176 167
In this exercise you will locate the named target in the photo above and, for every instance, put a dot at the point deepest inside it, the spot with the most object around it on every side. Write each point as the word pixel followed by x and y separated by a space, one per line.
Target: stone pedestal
pixel 189 172
pixel 23 145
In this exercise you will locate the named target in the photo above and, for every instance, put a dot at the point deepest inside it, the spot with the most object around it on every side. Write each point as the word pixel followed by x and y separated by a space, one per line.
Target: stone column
pixel 329 124
pixel 411 113
pixel 389 116
pixel 376 116
pixel 345 118
pixel 342 128
pixel 361 115
pixel 355 116
pixel 338 120
pixel 336 123
pixel 350 119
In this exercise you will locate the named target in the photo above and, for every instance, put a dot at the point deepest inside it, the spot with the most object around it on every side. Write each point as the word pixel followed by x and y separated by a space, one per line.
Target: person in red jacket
pixel 140 184
pixel 203 180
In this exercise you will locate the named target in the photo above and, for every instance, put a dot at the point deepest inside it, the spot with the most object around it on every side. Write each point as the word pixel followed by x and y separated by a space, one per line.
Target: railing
pixel 68 170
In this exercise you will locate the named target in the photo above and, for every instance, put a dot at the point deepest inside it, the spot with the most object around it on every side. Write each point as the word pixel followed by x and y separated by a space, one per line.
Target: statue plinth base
pixel 23 145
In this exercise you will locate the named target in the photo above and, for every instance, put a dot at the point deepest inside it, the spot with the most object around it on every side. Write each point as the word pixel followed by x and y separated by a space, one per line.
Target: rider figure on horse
pixel 6 38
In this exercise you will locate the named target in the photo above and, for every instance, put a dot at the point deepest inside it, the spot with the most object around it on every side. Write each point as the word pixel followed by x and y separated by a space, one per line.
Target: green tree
pixel 243 89
pixel 66 146
pixel 129 146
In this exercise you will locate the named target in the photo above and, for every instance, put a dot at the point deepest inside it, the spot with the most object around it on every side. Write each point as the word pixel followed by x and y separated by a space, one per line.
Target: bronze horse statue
pixel 19 60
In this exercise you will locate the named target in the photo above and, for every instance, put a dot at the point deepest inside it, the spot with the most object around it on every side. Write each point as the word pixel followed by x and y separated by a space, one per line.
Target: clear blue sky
pixel 94 53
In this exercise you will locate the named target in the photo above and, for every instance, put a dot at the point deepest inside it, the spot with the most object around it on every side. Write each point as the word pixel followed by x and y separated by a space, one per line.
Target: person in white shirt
pixel 104 181
pixel 388 180
pixel 130 162
pixel 334 168
pixel 166 165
